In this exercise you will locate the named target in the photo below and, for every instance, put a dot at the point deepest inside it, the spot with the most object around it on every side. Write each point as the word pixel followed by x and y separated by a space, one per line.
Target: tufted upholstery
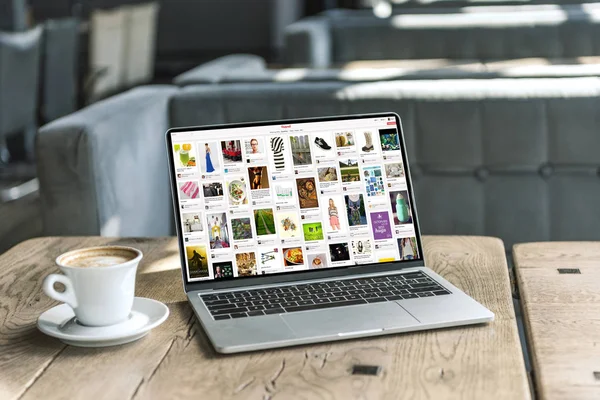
pixel 514 32
pixel 517 159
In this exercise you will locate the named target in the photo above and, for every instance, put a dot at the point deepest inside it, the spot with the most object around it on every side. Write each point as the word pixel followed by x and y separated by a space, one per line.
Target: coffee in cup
pixel 99 283
pixel 98 257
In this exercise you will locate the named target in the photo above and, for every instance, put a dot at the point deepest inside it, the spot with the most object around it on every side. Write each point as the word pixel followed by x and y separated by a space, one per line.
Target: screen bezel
pixel 291 276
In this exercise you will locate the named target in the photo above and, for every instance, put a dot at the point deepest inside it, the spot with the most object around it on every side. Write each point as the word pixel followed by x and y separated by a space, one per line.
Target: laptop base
pixel 348 322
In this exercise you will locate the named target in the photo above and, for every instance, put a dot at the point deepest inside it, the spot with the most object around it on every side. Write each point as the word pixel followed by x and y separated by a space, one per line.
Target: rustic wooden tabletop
pixel 561 312
pixel 176 360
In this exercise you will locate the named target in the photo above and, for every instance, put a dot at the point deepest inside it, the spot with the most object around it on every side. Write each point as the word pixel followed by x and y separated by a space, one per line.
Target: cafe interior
pixel 499 102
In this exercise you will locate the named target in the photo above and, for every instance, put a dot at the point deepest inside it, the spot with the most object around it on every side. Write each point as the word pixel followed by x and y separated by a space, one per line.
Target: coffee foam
pixel 98 257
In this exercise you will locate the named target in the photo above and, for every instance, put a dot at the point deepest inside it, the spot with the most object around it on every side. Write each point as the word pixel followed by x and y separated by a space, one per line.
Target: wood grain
pixel 562 316
pixel 177 361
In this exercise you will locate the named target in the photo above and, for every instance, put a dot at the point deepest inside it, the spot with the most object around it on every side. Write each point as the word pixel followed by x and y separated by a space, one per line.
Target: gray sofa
pixel 239 68
pixel 61 46
pixel 103 170
pixel 487 33
pixel 517 159
pixel 13 15
pixel 20 54
pixel 400 6
pixel 191 31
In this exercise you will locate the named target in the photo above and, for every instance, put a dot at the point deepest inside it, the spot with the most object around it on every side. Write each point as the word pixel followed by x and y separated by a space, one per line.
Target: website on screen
pixel 273 199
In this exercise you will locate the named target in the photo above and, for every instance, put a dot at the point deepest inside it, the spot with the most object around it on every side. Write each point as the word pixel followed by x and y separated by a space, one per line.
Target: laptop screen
pixel 274 199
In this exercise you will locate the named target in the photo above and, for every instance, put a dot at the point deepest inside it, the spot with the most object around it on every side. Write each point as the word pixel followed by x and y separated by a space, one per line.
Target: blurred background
pixel 499 101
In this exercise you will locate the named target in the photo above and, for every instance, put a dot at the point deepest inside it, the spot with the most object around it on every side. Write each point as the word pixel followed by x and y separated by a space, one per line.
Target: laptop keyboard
pixel 315 296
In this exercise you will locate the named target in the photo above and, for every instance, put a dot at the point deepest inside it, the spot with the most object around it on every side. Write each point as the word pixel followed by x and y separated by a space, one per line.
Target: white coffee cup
pixel 99 283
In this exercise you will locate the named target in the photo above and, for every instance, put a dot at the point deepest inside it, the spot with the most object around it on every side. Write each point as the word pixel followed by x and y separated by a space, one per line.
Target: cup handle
pixel 68 296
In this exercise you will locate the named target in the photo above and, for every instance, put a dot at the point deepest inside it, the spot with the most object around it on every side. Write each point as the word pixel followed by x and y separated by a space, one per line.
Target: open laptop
pixel 302 231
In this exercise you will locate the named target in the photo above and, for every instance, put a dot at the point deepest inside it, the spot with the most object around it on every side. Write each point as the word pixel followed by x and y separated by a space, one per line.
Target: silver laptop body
pixel 304 231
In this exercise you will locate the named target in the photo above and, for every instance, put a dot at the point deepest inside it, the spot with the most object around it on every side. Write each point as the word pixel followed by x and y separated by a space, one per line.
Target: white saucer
pixel 60 322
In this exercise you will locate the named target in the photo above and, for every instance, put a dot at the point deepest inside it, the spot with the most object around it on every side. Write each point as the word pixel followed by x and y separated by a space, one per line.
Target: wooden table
pixel 562 316
pixel 176 361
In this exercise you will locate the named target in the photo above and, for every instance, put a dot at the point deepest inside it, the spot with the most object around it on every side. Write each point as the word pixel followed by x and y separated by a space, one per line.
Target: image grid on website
pixel 295 197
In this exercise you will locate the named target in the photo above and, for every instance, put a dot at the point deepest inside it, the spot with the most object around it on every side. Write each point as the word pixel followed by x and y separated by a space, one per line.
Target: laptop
pixel 302 231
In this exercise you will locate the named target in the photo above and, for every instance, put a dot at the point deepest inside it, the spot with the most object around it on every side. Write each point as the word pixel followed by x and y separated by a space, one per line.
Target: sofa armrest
pixel 103 170
pixel 19 78
pixel 217 70
pixel 308 43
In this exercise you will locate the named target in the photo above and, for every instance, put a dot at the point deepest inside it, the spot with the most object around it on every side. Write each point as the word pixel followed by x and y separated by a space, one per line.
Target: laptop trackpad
pixel 332 321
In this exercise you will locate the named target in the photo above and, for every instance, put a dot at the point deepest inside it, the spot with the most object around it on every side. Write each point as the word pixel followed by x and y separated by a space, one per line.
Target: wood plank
pixel 177 361
pixel 561 315
pixel 26 354
pixel 454 363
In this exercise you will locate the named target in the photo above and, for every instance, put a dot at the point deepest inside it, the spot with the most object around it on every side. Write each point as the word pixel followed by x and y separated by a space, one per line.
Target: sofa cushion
pixel 482 33
pixel 215 71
